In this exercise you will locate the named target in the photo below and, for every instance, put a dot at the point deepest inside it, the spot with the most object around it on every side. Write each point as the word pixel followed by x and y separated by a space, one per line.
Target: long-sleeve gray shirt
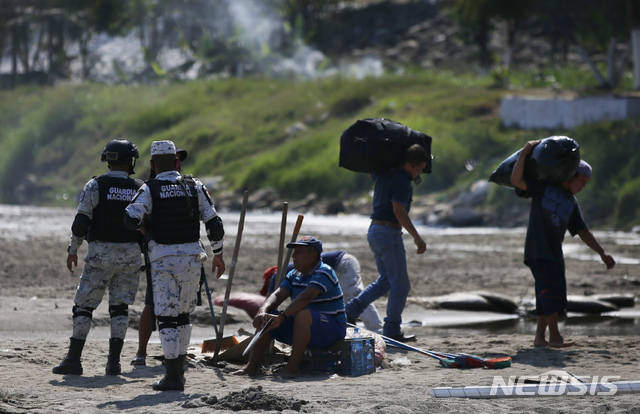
pixel 143 204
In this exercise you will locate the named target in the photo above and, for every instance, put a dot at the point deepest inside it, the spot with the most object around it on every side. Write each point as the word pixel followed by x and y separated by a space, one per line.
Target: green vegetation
pixel 257 133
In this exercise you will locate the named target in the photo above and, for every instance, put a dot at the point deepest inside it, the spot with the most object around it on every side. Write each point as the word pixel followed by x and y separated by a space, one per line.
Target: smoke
pixel 258 22
pixel 268 50
pixel 259 25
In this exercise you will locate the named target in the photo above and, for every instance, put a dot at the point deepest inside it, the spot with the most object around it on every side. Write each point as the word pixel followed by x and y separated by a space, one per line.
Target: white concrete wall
pixel 532 112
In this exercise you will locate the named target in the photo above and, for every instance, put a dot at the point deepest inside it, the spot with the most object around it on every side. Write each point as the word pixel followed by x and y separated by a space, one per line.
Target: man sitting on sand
pixel 554 210
pixel 315 318
pixel 347 269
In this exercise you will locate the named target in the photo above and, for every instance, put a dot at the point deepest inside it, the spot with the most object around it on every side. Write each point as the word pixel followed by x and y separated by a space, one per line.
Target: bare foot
pixel 246 371
pixel 563 344
pixel 540 344
pixel 284 373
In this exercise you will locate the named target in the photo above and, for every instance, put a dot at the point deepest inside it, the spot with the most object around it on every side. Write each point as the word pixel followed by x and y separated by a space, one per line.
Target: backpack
pixel 374 145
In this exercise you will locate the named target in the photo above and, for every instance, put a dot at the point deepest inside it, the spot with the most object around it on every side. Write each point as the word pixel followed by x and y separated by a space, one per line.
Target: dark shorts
pixel 148 294
pixel 551 286
pixel 325 331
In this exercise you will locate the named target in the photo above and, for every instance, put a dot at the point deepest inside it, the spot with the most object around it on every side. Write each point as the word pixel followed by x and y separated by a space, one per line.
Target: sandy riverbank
pixel 36 298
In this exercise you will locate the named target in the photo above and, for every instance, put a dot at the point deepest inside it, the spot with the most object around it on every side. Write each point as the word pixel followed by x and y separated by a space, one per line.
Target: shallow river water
pixel 348 233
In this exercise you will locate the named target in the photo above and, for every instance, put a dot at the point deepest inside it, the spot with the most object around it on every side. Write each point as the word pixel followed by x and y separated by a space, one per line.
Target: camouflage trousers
pixel 107 265
pixel 175 291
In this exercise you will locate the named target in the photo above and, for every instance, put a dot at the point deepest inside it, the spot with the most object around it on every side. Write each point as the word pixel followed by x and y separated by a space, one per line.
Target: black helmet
pixel 121 151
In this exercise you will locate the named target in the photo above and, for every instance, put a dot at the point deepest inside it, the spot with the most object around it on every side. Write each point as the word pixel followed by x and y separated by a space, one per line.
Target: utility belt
pixel 387 224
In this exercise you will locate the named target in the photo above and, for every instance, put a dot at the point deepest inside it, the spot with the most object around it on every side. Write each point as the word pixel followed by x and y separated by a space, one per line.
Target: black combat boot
pixel 113 362
pixel 71 364
pixel 173 378
pixel 183 367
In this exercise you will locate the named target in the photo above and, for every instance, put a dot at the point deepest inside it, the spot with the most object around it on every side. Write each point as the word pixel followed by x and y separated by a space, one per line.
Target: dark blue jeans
pixel 391 260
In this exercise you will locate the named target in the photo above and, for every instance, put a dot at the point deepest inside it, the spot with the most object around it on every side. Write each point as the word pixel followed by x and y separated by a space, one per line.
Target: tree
pixel 475 21
pixel 633 13
pixel 303 16
pixel 589 24
pixel 34 27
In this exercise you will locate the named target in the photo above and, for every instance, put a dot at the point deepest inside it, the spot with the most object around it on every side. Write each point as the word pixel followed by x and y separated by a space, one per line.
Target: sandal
pixel 139 360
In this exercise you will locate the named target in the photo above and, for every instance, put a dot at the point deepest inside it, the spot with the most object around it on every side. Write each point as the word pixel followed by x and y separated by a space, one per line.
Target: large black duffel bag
pixel 374 145
pixel 553 159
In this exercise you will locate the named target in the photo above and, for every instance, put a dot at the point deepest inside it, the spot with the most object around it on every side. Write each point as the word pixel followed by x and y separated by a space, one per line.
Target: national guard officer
pixel 113 258
pixel 169 209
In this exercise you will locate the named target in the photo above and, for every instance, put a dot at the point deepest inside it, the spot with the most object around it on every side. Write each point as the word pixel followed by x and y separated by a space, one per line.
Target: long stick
pixel 147 270
pixel 399 344
pixel 460 360
pixel 234 261
pixel 283 230
pixel 294 236
pixel 393 342
pixel 213 316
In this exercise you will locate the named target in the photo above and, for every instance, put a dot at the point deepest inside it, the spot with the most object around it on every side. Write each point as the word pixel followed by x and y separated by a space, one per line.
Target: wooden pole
pixel 234 260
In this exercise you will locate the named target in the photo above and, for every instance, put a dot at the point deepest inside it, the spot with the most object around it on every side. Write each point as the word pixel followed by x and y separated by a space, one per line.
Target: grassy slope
pixel 237 129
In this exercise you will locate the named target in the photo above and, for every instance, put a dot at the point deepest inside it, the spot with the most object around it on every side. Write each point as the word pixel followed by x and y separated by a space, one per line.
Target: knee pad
pixel 183 319
pixel 167 322
pixel 86 312
pixel 118 310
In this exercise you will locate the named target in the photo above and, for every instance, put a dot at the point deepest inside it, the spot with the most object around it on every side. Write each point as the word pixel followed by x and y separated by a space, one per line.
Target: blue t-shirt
pixel 391 186
pixel 323 278
pixel 330 258
pixel 554 210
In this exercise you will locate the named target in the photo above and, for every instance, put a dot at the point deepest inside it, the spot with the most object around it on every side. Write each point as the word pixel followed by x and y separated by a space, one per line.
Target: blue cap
pixel 308 241
pixel 584 168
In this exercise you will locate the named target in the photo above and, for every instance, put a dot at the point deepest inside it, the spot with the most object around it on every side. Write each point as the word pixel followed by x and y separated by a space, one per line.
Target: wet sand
pixel 37 291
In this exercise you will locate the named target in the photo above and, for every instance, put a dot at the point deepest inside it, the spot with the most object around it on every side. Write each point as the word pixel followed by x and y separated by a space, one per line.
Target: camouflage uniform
pixel 175 268
pixel 112 265
pixel 113 259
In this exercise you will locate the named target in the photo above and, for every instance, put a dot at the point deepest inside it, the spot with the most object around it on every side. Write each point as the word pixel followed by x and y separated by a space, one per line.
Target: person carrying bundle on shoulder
pixel 169 208
pixel 392 199
pixel 554 210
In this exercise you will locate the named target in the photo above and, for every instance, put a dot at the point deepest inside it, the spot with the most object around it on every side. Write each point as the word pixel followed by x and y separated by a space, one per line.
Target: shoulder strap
pixel 189 180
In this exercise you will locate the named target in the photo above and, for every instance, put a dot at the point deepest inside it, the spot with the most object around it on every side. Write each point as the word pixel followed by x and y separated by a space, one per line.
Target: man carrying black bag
pixel 391 204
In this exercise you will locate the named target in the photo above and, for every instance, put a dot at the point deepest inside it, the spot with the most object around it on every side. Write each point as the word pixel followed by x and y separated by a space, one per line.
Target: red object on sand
pixel 250 302
pixel 266 279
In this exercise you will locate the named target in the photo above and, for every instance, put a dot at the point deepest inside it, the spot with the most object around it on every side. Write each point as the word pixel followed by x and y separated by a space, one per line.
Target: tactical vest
pixel 175 218
pixel 107 224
